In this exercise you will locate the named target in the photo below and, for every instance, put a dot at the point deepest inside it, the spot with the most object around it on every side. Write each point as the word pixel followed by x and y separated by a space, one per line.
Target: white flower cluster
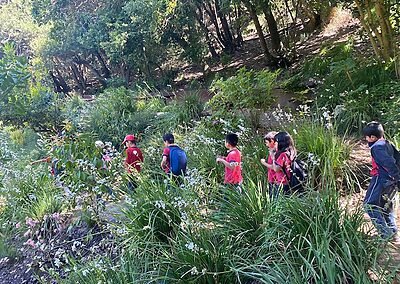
pixel 159 204
pixel 326 118
pixel 194 178
pixel 192 246
pixel 282 116
pixel 313 159
pixel 179 202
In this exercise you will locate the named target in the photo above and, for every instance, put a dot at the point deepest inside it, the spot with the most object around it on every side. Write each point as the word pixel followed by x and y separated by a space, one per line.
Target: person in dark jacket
pixel 385 174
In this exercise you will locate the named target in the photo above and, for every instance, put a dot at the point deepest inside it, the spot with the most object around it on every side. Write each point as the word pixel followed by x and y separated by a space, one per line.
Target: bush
pixel 353 87
pixel 313 240
pixel 247 90
pixel 115 114
pixel 326 155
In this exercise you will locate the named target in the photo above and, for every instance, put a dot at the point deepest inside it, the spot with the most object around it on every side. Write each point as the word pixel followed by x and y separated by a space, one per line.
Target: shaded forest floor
pixel 341 28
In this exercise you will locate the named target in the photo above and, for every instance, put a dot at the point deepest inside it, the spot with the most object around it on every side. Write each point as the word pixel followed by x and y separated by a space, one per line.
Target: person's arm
pixel 128 159
pixel 264 163
pixel 230 165
pixel 140 156
pixel 278 163
pixel 47 160
pixel 164 162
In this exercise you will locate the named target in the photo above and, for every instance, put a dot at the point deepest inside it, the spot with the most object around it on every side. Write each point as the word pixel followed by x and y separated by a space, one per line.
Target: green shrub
pixel 247 90
pixel 353 87
pixel 190 109
pixel 115 114
pixel 46 202
pixel 74 111
pixel 330 54
pixel 7 250
pixel 389 106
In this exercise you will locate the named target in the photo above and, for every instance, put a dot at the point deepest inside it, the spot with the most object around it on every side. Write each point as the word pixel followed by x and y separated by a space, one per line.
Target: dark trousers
pixel 378 204
pixel 274 190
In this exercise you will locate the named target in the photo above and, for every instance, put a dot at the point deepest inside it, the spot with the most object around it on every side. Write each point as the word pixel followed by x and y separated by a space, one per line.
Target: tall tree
pixel 251 7
pixel 376 20
pixel 272 25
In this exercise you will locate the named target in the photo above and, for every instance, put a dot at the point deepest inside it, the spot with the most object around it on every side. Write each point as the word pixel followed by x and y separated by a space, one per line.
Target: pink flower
pixel 56 216
pixel 31 222
pixel 18 225
pixel 27 233
pixel 30 243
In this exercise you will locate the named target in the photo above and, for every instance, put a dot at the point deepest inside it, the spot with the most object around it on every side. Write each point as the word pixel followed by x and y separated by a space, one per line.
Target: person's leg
pixel 387 206
pixel 286 190
pixel 273 191
pixel 131 184
pixel 372 205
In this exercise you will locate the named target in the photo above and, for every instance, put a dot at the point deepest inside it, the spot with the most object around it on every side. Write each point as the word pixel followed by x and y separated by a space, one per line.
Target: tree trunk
pixel 105 70
pixel 211 13
pixel 367 28
pixel 273 28
pixel 229 46
pixel 288 11
pixel 253 15
pixel 379 31
pixel 239 37
pixel 313 17
pixel 93 70
pixel 207 33
pixel 59 83
pixel 80 82
pixel 386 30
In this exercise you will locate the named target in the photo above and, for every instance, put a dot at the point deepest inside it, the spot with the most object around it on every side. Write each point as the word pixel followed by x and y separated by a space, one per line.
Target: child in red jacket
pixel 134 158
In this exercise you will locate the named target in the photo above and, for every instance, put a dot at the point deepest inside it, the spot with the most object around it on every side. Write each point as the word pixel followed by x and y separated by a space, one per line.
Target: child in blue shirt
pixel 385 174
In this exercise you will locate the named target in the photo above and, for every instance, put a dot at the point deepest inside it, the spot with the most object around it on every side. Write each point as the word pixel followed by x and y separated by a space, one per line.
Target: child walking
pixel 269 140
pixel 174 161
pixel 232 162
pixel 282 160
pixel 385 174
pixel 133 160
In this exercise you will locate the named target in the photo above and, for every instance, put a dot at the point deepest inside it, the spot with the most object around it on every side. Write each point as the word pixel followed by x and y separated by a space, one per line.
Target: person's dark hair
pixel 232 139
pixel 169 137
pixel 285 142
pixel 270 136
pixel 374 128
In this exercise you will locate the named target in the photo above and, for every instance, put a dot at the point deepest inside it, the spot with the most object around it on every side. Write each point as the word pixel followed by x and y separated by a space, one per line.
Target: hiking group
pixel 287 174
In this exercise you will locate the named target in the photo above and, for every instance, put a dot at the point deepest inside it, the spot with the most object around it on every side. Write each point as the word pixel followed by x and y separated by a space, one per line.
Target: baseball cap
pixel 129 137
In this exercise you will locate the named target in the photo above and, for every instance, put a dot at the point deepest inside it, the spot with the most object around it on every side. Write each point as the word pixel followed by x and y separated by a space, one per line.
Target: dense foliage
pixel 67 214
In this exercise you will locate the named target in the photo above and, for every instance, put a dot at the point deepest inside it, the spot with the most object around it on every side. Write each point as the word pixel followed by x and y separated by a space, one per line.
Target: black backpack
pixel 298 175
pixel 396 156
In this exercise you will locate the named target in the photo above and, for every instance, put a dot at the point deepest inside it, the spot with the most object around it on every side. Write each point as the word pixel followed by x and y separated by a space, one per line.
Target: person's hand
pixel 262 161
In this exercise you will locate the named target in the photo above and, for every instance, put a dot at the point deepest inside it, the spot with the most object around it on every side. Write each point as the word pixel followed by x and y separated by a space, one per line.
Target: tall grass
pixel 314 241
pixel 245 236
pixel 327 155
